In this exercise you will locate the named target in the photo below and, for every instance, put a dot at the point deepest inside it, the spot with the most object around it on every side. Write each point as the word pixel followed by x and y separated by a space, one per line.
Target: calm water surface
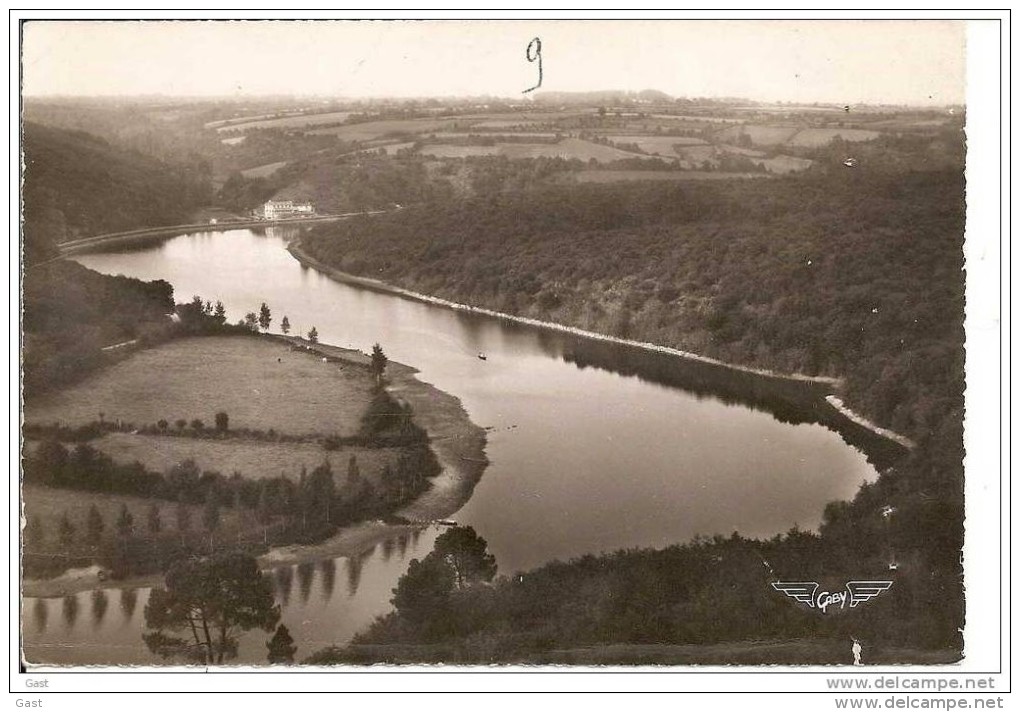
pixel 582 459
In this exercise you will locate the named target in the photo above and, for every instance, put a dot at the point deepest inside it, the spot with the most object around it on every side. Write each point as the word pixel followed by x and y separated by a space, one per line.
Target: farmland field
pixel 496 136
pixel 661 145
pixel 246 119
pixel 374 129
pixel 263 171
pixel 820 137
pixel 259 383
pixel 444 150
pixel 289 122
pixel 253 459
pixel 767 135
pixel 497 124
pixel 784 164
pixel 567 148
pixel 607 176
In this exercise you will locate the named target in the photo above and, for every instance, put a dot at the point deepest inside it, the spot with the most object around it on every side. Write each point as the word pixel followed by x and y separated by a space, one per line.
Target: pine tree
pixel 379 362
pixel 125 521
pixel 66 530
pixel 313 335
pixel 94 525
pixel 211 512
pixel 353 471
pixel 183 516
pixel 155 525
pixel 262 511
pixel 285 325
pixel 281 646
pixel 265 317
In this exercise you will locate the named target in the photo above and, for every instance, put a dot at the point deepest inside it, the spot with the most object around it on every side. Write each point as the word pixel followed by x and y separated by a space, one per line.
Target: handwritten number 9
pixel 534 54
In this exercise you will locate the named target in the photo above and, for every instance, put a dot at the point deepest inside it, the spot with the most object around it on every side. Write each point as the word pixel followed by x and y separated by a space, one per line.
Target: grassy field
pixel 820 137
pixel 761 135
pixel 289 122
pixel 259 383
pixel 263 171
pixel 660 145
pixel 374 129
pixel 785 164
pixel 254 460
pixel 607 176
pixel 567 148
pixel 443 150
pixel 508 124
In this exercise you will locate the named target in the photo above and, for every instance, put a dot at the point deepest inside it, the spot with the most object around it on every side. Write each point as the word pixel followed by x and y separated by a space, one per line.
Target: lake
pixel 593 446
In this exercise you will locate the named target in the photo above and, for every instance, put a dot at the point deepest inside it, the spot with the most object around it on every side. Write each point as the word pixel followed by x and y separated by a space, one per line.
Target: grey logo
pixel 856 592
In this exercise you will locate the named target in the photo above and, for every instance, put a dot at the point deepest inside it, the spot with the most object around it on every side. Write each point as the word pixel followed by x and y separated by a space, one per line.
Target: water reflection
pixel 354 566
pixel 328 569
pixel 40 612
pixel 70 610
pixel 99 605
pixel 330 614
pixel 305 575
pixel 284 578
pixel 128 602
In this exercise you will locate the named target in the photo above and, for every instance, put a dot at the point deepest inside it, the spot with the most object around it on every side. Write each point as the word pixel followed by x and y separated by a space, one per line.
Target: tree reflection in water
pixel 70 610
pixel 305 575
pixel 40 612
pixel 100 602
pixel 328 569
pixel 128 602
pixel 354 565
pixel 284 577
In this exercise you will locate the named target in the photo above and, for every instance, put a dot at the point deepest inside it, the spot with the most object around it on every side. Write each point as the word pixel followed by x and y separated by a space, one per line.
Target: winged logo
pixel 803 591
pixel 807 592
pixel 864 591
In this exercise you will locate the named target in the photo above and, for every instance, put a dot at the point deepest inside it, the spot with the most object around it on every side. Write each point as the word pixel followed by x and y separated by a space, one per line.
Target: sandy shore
pixel 865 423
pixel 459 446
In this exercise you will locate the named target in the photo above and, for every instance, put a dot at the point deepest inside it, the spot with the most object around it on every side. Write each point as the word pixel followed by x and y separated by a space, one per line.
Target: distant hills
pixel 77 184
pixel 608 96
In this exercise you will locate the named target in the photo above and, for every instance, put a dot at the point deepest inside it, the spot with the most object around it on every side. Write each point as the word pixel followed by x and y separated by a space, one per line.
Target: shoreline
pixel 831 399
pixel 72 247
pixel 458 443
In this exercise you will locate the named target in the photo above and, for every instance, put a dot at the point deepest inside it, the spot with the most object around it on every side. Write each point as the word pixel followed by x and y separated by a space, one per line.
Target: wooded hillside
pixel 845 274
pixel 77 184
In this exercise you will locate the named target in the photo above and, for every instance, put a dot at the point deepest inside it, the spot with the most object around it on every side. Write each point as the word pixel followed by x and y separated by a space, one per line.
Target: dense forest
pixel 847 274
pixel 78 184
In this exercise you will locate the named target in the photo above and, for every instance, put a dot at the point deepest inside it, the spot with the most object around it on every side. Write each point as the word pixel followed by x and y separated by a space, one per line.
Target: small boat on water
pixel 446 522
pixel 482 356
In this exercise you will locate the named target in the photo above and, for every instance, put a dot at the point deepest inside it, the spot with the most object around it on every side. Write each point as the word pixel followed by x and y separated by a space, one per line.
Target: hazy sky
pixel 916 62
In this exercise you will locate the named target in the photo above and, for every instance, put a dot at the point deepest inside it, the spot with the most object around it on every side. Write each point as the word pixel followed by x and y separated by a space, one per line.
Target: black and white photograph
pixel 385 344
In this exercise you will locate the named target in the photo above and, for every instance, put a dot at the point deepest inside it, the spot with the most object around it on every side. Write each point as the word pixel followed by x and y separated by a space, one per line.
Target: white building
pixel 278 209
